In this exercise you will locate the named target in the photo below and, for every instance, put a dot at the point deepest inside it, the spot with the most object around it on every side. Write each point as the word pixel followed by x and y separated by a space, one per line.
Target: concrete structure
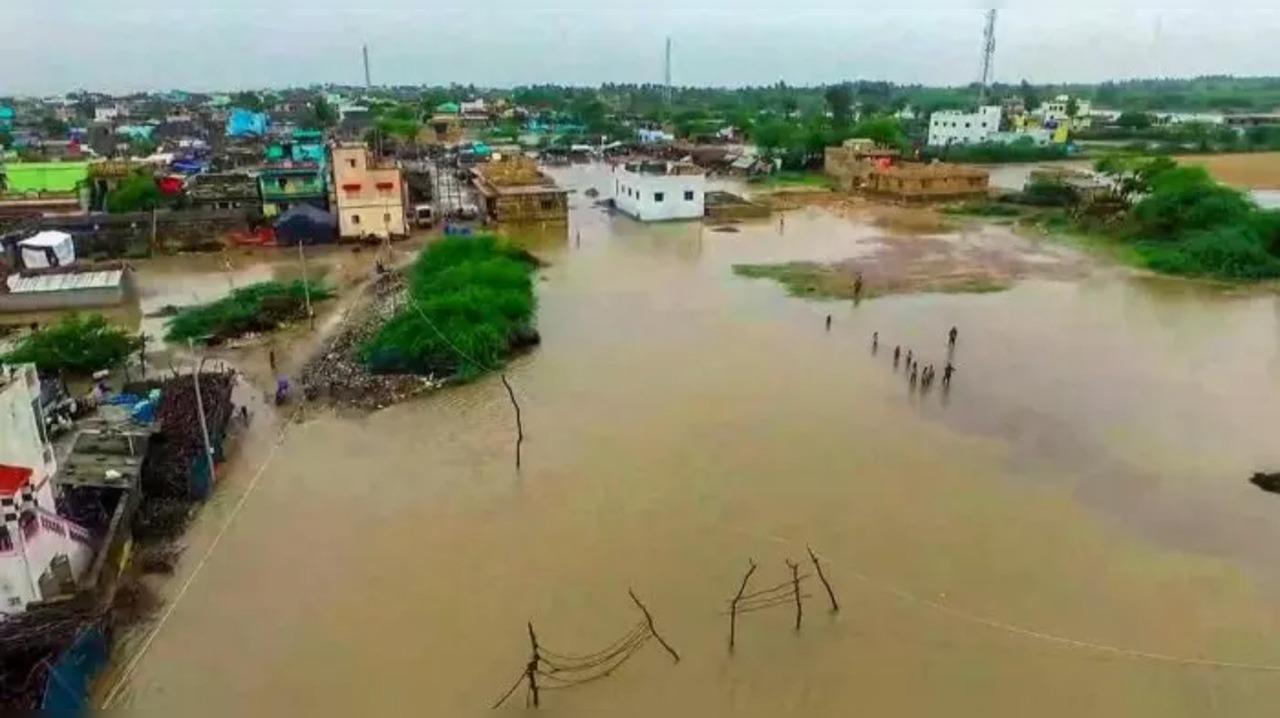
pixel 950 127
pixel 515 191
pixel 57 290
pixel 106 114
pixel 370 198
pixel 928 182
pixel 852 162
pixel 658 191
pixel 41 554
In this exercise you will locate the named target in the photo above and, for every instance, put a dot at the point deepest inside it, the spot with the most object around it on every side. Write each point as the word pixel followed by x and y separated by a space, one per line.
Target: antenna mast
pixel 666 74
pixel 988 54
pixel 368 83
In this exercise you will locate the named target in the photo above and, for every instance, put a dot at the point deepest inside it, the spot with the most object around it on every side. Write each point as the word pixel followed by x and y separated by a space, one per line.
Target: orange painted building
pixel 369 197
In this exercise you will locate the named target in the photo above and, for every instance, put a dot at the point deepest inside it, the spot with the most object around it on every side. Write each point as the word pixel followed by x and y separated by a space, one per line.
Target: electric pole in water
pixel 988 54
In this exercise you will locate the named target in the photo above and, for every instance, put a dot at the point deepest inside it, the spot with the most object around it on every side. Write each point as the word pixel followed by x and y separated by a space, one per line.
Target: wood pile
pixel 179 443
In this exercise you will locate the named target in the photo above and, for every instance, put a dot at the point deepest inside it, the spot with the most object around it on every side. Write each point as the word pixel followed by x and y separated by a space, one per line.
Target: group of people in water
pixel 917 377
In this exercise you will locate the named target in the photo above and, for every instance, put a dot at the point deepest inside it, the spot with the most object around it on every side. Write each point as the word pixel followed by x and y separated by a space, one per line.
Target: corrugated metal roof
pixel 66 282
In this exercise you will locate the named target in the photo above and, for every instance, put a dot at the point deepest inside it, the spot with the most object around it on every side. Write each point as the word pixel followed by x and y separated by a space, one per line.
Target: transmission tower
pixel 988 54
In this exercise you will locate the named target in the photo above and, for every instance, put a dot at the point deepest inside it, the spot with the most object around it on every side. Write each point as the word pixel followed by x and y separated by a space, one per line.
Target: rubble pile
pixel 336 373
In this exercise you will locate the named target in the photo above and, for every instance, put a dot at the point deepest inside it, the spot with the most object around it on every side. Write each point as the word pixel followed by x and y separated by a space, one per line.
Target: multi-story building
pixel 952 127
pixel 656 191
pixel 297 173
pixel 369 196
pixel 1055 113
pixel 41 553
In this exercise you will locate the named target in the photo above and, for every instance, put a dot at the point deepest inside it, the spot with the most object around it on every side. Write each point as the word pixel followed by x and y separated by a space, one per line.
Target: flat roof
pixel 95 453
pixel 65 281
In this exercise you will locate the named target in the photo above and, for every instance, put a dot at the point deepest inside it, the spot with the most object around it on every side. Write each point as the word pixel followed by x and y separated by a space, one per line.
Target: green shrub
pixel 471 302
pixel 77 345
pixel 1187 199
pixel 256 308
pixel 1223 253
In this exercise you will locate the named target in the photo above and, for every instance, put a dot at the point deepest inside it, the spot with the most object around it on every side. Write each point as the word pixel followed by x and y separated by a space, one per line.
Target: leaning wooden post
pixel 835 606
pixel 532 669
pixel 795 588
pixel 733 608
pixel 648 619
pixel 519 421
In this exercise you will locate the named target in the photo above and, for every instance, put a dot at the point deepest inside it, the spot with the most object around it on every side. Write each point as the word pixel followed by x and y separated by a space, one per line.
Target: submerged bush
pixel 471 303
pixel 256 308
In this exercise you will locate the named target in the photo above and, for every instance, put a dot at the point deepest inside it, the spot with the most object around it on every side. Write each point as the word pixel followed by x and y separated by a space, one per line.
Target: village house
pixel 927 182
pixel 657 191
pixel 224 190
pixel 369 196
pixel 41 553
pixel 515 191
pixel 852 162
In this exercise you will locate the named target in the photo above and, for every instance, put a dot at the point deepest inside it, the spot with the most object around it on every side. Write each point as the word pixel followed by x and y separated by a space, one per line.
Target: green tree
pixel 6 139
pixel 1134 120
pixel 1073 107
pixel 134 194
pixel 1030 98
pixel 78 345
pixel 1187 199
pixel 251 101
pixel 323 115
pixel 53 127
pixel 1132 176
pixel 885 131
pixel 840 104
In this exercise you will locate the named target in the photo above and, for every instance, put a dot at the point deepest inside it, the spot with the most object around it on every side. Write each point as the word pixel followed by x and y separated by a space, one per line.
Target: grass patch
pixel 811 280
pixel 983 208
pixel 471 305
pixel 261 307
pixel 789 178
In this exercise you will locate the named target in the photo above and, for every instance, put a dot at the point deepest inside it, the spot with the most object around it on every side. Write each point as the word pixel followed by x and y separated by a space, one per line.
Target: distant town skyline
pixel 136 45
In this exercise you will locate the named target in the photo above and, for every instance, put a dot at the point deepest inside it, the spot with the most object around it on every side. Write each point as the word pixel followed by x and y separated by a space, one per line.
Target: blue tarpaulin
pixel 246 123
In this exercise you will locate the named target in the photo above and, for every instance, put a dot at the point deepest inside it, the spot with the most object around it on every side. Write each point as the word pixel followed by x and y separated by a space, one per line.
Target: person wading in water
pixel 828 322
pixel 947 371
pixel 951 337
pixel 857 287
pixel 875 341
pixel 897 353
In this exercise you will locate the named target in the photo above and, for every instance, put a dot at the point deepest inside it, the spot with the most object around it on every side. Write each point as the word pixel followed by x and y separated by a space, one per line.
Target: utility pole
pixel 306 284
pixel 204 424
pixel 988 54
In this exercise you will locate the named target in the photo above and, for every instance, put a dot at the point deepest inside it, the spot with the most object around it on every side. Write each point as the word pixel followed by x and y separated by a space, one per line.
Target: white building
pixel 40 552
pixel 107 114
pixel 1055 112
pixel 952 127
pixel 656 191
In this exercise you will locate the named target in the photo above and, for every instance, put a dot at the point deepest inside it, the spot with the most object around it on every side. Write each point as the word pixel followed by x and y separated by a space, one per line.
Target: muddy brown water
pixel 1085 478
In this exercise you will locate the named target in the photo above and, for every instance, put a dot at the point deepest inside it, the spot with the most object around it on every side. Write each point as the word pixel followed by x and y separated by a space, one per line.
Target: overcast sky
pixel 51 46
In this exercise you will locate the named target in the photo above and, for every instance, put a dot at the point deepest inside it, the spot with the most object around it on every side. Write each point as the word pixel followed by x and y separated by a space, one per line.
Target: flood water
pixel 1084 478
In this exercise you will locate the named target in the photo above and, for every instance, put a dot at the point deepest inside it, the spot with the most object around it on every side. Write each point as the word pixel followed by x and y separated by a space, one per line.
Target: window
pixel 688 195
pixel 351 163
pixel 355 219
pixel 657 197
pixel 282 183
pixel 386 217
pixel 547 205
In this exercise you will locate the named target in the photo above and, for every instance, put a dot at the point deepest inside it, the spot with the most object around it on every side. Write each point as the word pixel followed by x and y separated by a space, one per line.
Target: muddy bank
pixel 335 374
pixel 979 259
